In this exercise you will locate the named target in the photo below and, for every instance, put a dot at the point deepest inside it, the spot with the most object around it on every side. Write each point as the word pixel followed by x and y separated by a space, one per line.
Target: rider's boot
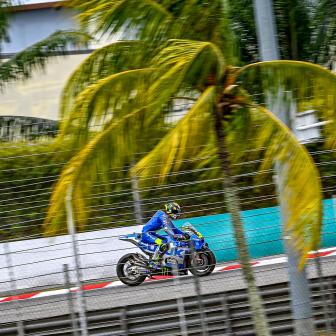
pixel 155 263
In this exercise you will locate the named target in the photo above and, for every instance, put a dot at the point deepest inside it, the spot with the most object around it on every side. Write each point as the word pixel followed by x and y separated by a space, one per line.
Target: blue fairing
pixel 148 247
pixel 177 249
pixel 199 243
pixel 152 247
pixel 131 235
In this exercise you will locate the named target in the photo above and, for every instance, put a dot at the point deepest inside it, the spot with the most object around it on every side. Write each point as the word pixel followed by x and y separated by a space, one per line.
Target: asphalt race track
pixel 121 296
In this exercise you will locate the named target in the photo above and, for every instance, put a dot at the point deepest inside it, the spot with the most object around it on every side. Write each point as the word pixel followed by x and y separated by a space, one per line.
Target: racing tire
pixel 125 278
pixel 209 264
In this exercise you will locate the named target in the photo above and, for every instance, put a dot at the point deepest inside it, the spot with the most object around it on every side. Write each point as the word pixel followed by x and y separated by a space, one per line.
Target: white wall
pixel 40 95
pixel 39 262
pixel 29 27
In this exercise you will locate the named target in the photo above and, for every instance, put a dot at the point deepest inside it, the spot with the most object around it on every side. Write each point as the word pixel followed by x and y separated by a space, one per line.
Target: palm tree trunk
pixel 233 206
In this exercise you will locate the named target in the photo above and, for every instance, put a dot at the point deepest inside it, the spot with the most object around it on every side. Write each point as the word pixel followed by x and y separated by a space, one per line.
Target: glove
pixel 179 237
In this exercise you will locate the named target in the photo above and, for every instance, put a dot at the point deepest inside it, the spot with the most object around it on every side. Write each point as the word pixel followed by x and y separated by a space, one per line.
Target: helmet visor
pixel 175 212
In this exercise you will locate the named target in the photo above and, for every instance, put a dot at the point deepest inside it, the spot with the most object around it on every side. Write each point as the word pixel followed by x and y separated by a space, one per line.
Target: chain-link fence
pixel 40 277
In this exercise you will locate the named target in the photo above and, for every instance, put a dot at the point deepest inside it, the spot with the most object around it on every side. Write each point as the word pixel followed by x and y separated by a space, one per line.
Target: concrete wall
pixel 40 96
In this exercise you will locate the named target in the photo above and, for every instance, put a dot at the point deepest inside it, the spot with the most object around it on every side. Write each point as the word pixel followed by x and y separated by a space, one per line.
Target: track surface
pixel 115 283
pixel 113 296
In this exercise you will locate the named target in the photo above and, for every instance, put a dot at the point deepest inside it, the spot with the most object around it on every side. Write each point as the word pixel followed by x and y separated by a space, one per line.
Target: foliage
pixel 27 175
pixel 4 8
pixel 242 21
pixel 305 30
pixel 323 40
pixel 26 191
pixel 294 29
pixel 312 86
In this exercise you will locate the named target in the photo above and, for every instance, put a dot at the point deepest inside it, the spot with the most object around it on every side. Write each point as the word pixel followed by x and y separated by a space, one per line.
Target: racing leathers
pixel 160 221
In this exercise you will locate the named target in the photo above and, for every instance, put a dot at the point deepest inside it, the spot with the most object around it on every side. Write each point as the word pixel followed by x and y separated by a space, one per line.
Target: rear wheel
pixel 203 263
pixel 128 273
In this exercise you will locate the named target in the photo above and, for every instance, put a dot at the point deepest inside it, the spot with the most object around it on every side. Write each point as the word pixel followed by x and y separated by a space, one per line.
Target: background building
pixel 38 97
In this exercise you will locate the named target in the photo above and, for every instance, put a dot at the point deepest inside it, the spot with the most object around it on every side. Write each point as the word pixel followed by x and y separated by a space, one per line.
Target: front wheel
pixel 127 272
pixel 203 263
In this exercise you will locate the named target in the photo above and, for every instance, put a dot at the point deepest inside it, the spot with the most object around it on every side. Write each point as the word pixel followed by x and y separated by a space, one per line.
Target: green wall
pixel 262 227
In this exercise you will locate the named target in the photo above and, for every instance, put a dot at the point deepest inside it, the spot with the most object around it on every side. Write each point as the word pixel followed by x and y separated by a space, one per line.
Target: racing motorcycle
pixel 192 254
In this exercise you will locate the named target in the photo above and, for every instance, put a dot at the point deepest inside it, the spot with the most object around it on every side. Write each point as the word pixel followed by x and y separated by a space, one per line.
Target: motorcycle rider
pixel 162 221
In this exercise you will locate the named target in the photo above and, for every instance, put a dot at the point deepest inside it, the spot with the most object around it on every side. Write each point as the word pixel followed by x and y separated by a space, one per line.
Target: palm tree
pixel 121 93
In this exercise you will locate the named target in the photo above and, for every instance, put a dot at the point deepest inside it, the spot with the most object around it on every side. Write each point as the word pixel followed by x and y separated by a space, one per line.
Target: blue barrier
pixel 263 231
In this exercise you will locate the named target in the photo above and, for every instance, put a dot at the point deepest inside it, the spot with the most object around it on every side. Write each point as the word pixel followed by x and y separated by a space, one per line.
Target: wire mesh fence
pixel 153 308
pixel 39 279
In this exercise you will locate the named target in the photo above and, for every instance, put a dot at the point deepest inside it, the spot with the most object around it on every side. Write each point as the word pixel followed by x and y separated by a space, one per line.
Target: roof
pixel 25 5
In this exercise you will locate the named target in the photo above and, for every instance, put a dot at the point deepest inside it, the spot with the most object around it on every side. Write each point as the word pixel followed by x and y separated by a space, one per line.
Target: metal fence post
pixel 332 295
pixel 11 274
pixel 227 315
pixel 300 292
pixel 197 285
pixel 180 302
pixel 123 321
pixel 70 300
pixel 137 200
pixel 73 235
pixel 323 290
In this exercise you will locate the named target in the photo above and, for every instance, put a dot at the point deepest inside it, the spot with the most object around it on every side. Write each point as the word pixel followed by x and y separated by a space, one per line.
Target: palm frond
pixel 201 58
pixel 80 173
pixel 4 15
pixel 239 130
pixel 183 141
pixel 205 17
pixel 111 97
pixel 301 180
pixel 113 58
pixel 22 65
pixel 311 85
pixel 126 15
pixel 183 65
pixel 117 94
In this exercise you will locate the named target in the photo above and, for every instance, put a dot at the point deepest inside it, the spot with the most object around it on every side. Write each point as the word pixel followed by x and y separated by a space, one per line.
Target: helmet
pixel 173 210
